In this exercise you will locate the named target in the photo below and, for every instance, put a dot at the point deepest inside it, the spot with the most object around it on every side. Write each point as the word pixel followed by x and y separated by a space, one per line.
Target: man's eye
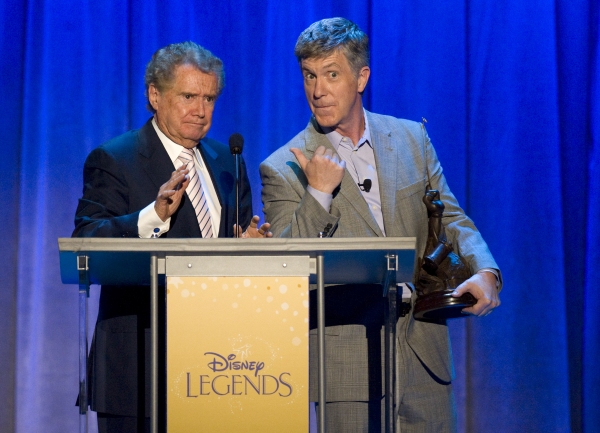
pixel 209 98
pixel 187 96
pixel 310 76
pixel 333 74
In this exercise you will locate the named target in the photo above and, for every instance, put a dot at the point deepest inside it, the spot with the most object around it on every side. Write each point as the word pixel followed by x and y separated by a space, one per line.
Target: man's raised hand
pixel 170 193
pixel 324 171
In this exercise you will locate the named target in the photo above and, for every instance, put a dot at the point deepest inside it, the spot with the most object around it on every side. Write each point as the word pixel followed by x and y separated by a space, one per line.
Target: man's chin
pixel 325 121
pixel 191 141
pixel 196 135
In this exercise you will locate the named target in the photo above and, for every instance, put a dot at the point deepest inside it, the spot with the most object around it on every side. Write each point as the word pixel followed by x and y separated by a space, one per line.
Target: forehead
pixel 189 77
pixel 335 58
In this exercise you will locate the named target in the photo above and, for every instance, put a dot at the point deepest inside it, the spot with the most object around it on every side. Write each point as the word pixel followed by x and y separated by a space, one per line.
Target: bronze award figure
pixel 441 270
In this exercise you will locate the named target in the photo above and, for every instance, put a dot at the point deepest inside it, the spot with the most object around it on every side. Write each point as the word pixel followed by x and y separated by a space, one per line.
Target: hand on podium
pixel 253 231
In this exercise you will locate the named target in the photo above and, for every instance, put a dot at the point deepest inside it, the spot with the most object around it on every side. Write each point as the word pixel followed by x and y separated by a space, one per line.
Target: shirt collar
pixel 172 148
pixel 335 138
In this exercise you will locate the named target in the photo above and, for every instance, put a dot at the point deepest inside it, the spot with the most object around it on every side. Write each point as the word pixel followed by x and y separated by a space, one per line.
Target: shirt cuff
pixel 149 223
pixel 323 198
pixel 492 271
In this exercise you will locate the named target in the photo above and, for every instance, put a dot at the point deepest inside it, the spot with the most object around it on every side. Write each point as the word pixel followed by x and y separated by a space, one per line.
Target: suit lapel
pixel 348 189
pixel 314 138
pixel 386 160
pixel 156 162
pixel 211 159
pixel 215 169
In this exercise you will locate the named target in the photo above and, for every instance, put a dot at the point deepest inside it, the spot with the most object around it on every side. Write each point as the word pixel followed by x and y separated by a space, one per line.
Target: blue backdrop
pixel 511 92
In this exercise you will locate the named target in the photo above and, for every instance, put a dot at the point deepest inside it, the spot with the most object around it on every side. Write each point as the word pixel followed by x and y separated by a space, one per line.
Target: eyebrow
pixel 327 66
pixel 213 95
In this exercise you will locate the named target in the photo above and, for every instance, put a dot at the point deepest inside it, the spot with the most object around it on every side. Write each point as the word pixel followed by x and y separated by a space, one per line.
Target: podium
pixel 113 261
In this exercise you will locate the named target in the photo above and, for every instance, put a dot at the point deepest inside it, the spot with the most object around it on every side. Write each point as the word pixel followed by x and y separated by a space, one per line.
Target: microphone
pixel 236 144
pixel 366 185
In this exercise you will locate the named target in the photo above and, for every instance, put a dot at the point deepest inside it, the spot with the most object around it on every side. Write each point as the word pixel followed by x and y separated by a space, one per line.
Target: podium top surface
pixel 126 260
pixel 233 246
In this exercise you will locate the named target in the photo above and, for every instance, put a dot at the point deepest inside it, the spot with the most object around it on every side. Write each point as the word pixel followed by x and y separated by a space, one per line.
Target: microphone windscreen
pixel 367 183
pixel 236 143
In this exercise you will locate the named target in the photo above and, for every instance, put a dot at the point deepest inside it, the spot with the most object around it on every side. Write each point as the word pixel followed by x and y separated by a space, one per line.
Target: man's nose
pixel 319 89
pixel 200 108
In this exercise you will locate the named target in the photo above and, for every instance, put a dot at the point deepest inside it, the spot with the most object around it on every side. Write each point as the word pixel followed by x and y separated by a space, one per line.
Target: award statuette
pixel 441 270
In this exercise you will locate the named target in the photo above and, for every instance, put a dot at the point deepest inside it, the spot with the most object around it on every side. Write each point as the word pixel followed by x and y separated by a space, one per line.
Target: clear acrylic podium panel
pixel 86 261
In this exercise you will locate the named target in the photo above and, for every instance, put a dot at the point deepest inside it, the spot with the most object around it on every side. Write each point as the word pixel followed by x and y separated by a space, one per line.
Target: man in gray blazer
pixel 352 173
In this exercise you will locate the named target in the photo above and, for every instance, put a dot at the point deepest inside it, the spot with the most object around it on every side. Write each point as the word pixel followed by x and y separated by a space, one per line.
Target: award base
pixel 441 305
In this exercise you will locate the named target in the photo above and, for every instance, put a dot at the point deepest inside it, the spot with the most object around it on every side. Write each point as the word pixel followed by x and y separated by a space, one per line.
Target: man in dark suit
pixel 166 179
pixel 316 184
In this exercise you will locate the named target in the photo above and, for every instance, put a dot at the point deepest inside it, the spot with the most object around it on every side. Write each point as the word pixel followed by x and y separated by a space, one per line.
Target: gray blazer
pixel 406 163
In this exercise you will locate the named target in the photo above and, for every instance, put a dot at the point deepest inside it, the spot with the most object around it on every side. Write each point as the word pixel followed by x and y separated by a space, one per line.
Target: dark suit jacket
pixel 406 164
pixel 122 177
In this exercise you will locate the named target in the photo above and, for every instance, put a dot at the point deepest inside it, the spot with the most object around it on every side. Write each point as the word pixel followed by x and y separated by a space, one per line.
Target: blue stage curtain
pixel 511 94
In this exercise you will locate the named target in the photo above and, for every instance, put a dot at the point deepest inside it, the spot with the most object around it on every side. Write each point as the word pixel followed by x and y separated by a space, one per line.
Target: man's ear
pixel 363 78
pixel 153 96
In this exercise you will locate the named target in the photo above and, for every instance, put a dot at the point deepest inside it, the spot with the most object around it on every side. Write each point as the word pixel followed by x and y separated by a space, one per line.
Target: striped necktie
pixel 196 194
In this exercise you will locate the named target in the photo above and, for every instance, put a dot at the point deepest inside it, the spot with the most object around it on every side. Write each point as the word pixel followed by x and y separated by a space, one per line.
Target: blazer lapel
pixel 156 162
pixel 210 157
pixel 223 182
pixel 348 189
pixel 386 160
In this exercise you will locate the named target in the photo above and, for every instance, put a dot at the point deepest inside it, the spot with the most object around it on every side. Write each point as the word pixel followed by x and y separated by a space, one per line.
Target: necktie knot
pixel 186 155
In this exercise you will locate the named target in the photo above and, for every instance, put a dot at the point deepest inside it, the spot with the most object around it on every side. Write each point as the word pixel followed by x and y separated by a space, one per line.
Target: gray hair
pixel 326 36
pixel 160 71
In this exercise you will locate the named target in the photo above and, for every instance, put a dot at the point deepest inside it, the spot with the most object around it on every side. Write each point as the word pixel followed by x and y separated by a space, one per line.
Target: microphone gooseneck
pixel 236 145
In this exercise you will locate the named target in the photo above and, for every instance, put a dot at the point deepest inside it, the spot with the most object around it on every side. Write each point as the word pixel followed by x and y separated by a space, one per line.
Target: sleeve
pixel 149 223
pixel 323 198
pixel 460 229
pixel 103 209
pixel 291 210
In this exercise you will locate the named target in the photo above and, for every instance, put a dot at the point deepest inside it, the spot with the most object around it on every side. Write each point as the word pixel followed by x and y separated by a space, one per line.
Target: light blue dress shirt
pixel 360 163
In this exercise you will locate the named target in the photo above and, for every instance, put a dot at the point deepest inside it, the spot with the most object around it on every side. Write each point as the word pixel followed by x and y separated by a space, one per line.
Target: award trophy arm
pixel 441 271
